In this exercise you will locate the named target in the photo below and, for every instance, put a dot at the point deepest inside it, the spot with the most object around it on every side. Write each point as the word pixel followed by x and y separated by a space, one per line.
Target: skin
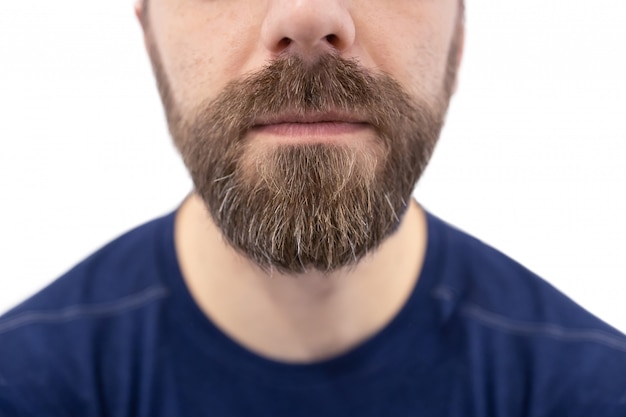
pixel 204 44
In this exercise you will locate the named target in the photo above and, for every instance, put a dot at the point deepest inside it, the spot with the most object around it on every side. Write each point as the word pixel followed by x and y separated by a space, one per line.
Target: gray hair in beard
pixel 294 208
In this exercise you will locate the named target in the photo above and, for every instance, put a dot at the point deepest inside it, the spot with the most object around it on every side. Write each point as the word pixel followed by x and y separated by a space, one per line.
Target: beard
pixel 312 206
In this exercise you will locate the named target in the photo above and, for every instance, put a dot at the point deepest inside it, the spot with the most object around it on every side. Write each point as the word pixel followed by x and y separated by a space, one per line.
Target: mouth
pixel 322 126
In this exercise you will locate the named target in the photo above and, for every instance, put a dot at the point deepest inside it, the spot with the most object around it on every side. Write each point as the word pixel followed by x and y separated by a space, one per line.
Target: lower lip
pixel 313 131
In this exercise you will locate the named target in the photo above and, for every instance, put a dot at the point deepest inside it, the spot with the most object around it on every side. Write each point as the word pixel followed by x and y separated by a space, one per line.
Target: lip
pixel 323 126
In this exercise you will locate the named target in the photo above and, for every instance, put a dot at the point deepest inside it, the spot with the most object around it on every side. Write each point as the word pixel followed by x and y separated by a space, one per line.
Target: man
pixel 300 279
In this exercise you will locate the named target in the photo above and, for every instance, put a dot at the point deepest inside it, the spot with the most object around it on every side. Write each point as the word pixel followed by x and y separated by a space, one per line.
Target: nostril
pixel 332 39
pixel 284 43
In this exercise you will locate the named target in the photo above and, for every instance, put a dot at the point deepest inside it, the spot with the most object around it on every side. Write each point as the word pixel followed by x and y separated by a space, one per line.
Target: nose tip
pixel 307 27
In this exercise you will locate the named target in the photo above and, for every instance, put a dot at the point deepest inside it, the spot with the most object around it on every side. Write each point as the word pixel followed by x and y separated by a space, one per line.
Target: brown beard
pixel 307 206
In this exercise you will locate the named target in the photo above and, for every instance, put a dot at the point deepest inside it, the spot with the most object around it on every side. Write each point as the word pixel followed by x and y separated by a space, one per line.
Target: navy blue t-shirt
pixel 120 335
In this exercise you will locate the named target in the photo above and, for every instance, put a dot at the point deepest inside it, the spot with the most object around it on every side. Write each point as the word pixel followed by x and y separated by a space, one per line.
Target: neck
pixel 301 318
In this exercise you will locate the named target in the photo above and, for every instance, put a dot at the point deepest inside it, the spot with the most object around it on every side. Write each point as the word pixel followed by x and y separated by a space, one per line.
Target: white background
pixel 532 159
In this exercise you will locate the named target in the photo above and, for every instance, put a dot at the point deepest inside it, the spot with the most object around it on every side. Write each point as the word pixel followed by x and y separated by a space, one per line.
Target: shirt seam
pixel 503 323
pixel 78 311
pixel 499 322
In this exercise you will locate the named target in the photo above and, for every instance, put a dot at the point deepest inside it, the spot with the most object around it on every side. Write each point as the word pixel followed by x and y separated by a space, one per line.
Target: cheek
pixel 424 57
pixel 200 56
pixel 426 67
pixel 410 40
pixel 193 77
pixel 411 50
pixel 417 65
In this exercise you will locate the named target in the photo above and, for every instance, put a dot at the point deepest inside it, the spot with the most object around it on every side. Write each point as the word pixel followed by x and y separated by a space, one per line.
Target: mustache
pixel 292 87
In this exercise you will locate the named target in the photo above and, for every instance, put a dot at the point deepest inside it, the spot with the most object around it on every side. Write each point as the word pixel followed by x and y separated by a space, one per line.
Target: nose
pixel 307 27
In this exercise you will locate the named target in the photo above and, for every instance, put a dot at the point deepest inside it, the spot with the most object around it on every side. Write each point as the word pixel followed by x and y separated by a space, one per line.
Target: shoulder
pixel 476 274
pixel 120 268
pixel 526 333
pixel 54 342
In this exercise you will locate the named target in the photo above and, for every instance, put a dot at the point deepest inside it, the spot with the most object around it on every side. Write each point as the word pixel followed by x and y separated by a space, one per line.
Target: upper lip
pixel 310 117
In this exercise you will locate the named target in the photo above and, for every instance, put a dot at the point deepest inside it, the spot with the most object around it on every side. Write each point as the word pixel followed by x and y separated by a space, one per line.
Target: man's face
pixel 305 124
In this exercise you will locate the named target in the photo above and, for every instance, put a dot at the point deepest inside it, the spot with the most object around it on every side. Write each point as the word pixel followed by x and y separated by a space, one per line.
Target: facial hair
pixel 312 206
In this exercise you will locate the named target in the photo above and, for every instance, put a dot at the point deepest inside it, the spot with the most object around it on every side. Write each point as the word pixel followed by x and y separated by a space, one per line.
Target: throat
pixel 303 318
